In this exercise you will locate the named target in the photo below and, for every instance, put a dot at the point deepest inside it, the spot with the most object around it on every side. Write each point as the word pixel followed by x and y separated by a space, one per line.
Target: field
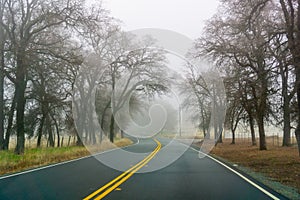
pixel 281 164
pixel 37 157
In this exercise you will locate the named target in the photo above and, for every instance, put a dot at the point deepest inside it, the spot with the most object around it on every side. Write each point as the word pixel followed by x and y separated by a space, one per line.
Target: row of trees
pixel 256 46
pixel 129 72
pixel 204 92
pixel 38 58
pixel 48 49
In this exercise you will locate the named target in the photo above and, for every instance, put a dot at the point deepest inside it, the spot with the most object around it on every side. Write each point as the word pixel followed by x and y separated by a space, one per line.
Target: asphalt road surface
pixel 187 178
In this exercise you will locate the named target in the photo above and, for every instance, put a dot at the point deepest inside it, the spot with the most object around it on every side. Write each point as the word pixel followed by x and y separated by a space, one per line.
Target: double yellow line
pixel 112 185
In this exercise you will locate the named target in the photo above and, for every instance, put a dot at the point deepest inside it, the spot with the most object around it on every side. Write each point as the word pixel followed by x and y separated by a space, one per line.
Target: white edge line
pixel 65 162
pixel 237 173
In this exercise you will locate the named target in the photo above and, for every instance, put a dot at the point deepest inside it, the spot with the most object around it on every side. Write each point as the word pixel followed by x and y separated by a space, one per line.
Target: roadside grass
pixel 280 164
pixel 171 136
pixel 37 157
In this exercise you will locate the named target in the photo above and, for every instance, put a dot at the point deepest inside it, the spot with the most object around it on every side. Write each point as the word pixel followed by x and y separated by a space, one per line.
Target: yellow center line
pixel 124 176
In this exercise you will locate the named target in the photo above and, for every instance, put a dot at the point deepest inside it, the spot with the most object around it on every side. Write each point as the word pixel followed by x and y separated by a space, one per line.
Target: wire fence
pixel 274 139
pixel 64 141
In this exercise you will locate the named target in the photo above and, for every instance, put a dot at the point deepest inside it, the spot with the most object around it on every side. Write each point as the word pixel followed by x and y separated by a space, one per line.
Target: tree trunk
pixel 57 133
pixel 111 130
pixel 122 134
pixel 216 132
pixel 215 117
pixel 261 103
pixel 69 141
pixel 40 132
pixel 233 127
pixel 21 101
pixel 1 98
pixel 284 72
pixel 203 119
pixel 57 130
pixel 252 130
pixel 262 136
pixel 297 65
pixel 103 120
pixel 77 129
pixel 2 117
pixel 220 120
pixel 79 141
pixel 233 137
pixel 101 132
pixel 286 126
pixel 204 131
pixel 261 109
pixel 50 132
pixel 297 132
pixel 80 128
pixel 220 133
pixel 10 123
pixel 92 132
pixel 51 139
pixel 62 142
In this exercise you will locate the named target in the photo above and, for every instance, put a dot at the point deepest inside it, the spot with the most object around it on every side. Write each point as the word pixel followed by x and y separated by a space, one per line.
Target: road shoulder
pixel 271 186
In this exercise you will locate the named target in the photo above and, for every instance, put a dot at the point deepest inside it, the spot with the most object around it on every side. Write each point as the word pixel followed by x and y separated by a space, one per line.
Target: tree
pixel 141 62
pixel 291 13
pixel 235 110
pixel 247 103
pixel 203 92
pixel 115 55
pixel 233 117
pixel 43 45
pixel 25 23
pixel 2 62
pixel 97 31
pixel 241 38
pixel 240 100
pixel 278 49
pixel 51 87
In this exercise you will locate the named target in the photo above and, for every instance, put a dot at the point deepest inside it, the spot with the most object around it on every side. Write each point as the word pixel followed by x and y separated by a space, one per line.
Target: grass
pixel 280 164
pixel 183 136
pixel 32 158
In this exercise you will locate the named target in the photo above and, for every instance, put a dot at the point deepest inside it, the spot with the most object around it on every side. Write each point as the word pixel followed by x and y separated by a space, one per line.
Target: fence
pixel 65 140
pixel 275 139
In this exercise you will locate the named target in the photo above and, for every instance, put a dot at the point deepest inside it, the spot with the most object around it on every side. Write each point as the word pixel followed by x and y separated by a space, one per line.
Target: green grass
pixel 37 157
pixel 10 162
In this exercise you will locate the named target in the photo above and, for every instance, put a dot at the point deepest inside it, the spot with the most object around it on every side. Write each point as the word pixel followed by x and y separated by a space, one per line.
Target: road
pixel 187 178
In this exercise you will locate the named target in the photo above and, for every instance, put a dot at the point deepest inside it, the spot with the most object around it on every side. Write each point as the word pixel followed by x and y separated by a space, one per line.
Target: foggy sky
pixel 183 16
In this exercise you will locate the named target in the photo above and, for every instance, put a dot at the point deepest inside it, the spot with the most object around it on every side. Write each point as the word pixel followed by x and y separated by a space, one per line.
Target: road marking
pixel 118 189
pixel 65 162
pixel 237 173
pixel 115 183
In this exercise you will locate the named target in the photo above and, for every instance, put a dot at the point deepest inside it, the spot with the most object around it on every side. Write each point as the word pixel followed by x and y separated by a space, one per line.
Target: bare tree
pixel 241 39
pixel 235 110
pixel 138 61
pixel 25 22
pixel 2 63
pixel 203 92
pixel 233 117
pixel 291 13
pixel 279 50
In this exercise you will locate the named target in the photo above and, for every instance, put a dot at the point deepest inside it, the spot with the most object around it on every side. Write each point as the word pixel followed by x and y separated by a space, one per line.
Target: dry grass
pixel 281 164
pixel 32 158
pixel 123 142
pixel 106 145
pixel 171 136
